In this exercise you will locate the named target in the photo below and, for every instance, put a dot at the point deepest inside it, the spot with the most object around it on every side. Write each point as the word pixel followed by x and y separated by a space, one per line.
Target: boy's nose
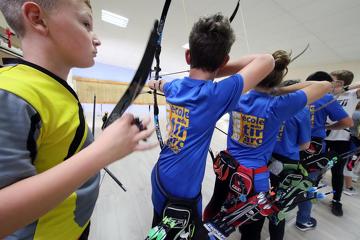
pixel 96 41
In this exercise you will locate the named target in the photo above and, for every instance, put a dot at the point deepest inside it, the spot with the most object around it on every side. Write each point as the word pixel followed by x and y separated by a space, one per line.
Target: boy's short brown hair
pixel 343 75
pixel 210 42
pixel 11 10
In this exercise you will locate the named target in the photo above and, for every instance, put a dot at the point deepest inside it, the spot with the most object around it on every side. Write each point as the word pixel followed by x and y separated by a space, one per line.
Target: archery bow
pixel 151 92
pixel 158 69
pixel 135 87
pixel 139 78
pixel 235 11
pixel 173 73
pixel 301 53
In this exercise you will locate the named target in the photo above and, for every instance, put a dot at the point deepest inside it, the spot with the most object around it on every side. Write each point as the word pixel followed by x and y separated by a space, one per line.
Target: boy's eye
pixel 87 25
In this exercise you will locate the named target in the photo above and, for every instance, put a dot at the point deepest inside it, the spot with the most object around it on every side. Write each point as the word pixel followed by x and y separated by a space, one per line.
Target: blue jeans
pixel 304 213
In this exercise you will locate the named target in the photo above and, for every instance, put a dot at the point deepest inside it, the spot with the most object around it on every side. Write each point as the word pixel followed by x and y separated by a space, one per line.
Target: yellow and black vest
pixel 63 133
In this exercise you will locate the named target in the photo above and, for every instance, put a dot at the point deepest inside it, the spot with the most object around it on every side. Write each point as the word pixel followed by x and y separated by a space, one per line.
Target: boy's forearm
pixel 234 66
pixel 335 126
pixel 304 146
pixel 157 85
pixel 292 88
pixel 351 87
pixel 35 196
pixel 342 124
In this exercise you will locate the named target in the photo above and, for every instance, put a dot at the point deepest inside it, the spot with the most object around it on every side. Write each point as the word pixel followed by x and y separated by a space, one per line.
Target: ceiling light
pixel 113 18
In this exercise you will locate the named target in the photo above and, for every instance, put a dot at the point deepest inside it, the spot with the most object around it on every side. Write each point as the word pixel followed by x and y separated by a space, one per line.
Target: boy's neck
pixel 199 74
pixel 44 59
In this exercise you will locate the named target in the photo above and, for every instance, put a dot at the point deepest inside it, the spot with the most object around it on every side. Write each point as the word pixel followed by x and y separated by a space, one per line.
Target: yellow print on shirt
pixel 312 115
pixel 178 122
pixel 281 132
pixel 248 129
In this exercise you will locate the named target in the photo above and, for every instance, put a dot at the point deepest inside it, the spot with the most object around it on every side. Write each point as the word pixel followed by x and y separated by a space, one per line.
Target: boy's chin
pixel 87 64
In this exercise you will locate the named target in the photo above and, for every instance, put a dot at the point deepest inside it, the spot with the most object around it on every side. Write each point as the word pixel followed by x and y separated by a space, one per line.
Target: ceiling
pixel 332 27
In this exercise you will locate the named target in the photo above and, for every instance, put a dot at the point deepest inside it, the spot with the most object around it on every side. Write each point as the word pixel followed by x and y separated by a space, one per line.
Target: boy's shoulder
pixel 18 74
pixel 36 86
pixel 21 80
pixel 303 114
pixel 235 77
pixel 327 96
pixel 185 80
pixel 12 103
pixel 17 69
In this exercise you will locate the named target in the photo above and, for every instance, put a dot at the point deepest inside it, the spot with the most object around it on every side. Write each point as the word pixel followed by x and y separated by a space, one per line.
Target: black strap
pixel 170 197
pixel 284 159
pixel 31 142
pixel 79 134
pixel 212 154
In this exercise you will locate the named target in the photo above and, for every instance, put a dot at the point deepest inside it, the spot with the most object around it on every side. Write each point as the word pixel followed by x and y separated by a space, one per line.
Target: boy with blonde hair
pixel 338 139
pixel 49 167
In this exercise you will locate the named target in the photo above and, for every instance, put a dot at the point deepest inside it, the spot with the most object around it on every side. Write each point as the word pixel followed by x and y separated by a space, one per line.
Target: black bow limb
pixel 135 87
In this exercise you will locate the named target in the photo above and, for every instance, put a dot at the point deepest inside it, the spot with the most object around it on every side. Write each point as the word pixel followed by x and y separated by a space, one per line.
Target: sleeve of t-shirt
pixel 226 93
pixel 304 126
pixel 19 129
pixel 335 111
pixel 286 106
pixel 353 93
pixel 167 86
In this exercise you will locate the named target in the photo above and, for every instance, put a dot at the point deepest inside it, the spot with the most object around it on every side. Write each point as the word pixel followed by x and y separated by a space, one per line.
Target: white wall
pixel 2 21
pixel 70 80
pixel 303 72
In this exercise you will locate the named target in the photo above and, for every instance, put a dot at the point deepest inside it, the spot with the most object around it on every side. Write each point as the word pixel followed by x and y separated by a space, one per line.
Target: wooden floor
pixel 127 215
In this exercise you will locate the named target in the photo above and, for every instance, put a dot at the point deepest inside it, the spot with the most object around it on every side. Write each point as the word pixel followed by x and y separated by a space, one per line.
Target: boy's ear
pixel 34 17
pixel 225 61
pixel 187 56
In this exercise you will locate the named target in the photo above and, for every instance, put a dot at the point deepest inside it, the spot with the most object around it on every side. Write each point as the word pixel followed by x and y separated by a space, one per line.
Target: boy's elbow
pixel 304 146
pixel 347 122
pixel 350 122
pixel 270 61
pixel 266 63
pixel 325 86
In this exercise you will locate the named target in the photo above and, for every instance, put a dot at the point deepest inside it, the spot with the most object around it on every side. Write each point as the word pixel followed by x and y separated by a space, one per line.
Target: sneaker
pixel 350 191
pixel 306 226
pixel 336 208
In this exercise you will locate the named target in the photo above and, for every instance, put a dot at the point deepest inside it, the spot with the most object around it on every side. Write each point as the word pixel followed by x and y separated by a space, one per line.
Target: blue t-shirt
pixel 193 108
pixel 254 125
pixel 293 133
pixel 318 117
